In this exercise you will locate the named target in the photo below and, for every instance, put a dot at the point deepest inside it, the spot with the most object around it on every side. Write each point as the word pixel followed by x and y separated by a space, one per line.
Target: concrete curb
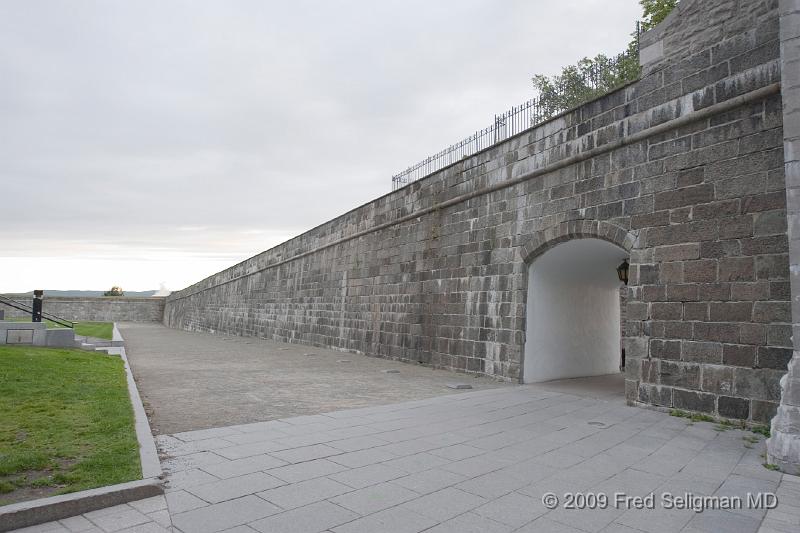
pixel 116 337
pixel 43 510
pixel 148 455
pixel 34 512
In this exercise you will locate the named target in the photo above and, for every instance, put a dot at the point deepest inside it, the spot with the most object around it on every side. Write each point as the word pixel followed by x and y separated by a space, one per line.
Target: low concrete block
pixel 60 338
pixel 31 333
pixel 40 336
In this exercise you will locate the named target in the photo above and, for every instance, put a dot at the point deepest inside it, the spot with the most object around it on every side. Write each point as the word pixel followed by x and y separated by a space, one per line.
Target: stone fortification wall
pixel 684 169
pixel 112 309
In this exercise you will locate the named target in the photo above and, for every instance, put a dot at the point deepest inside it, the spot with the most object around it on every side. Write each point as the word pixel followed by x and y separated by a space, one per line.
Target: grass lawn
pixel 66 423
pixel 100 330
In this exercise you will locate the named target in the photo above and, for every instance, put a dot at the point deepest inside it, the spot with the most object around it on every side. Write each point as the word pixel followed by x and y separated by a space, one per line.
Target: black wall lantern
pixel 622 272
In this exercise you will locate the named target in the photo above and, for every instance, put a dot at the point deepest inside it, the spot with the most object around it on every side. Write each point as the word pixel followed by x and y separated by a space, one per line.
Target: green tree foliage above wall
pixel 654 11
pixel 593 77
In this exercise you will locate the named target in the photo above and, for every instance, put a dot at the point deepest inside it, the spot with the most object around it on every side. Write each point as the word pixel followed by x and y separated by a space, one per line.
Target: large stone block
pixel 693 401
pixel 718 379
pixel 715 331
pixel 731 407
pixel 666 311
pixel 677 252
pixel 762 412
pixel 775 358
pixel 695 311
pixel 770 312
pixel 702 352
pixel 737 269
pixel 752 333
pixel 684 292
pixel 731 311
pixel 758 384
pixel 739 355
pixel 678 374
pixel 750 291
pixel 655 395
pixel 687 196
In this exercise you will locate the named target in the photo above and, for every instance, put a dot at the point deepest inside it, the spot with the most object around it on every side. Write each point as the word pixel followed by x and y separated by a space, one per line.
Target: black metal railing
pixel 599 78
pixel 21 306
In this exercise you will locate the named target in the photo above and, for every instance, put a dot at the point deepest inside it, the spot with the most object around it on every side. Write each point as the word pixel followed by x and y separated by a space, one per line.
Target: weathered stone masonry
pixel 684 168
pixel 119 309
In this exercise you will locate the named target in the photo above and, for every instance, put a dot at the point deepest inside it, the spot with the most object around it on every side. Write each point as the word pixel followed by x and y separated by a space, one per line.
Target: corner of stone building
pixel 783 446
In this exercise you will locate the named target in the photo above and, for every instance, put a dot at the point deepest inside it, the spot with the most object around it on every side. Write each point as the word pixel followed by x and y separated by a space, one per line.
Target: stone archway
pixel 573 310
pixel 552 236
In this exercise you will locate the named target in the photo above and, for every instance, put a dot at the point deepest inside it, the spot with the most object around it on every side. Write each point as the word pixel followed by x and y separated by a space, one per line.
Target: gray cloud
pixel 125 121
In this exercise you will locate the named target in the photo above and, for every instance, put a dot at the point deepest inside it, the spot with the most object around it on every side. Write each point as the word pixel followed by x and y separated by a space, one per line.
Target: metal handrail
pixel 512 122
pixel 28 309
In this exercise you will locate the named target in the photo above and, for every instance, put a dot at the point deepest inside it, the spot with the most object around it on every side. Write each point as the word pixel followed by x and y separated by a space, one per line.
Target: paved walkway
pixel 473 462
pixel 197 380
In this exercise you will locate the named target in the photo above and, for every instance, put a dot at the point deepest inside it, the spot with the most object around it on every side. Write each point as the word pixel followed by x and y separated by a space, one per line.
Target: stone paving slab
pixel 786 517
pixel 439 465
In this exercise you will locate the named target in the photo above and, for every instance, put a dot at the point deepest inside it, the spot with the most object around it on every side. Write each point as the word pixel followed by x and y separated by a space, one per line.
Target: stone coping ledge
pixel 43 510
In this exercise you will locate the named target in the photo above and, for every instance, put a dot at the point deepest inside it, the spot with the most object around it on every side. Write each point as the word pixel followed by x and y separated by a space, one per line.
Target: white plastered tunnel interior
pixel 573 311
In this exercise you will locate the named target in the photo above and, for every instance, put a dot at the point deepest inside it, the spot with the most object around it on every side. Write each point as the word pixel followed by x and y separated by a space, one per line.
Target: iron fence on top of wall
pixel 600 78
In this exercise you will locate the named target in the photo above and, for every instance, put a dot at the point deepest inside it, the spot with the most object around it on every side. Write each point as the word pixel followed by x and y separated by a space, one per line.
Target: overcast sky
pixel 157 142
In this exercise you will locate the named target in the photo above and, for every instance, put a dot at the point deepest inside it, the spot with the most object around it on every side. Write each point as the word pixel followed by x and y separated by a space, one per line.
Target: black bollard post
pixel 37 306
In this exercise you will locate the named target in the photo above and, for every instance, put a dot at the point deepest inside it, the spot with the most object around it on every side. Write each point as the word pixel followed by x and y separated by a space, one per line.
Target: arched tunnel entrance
pixel 573 324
